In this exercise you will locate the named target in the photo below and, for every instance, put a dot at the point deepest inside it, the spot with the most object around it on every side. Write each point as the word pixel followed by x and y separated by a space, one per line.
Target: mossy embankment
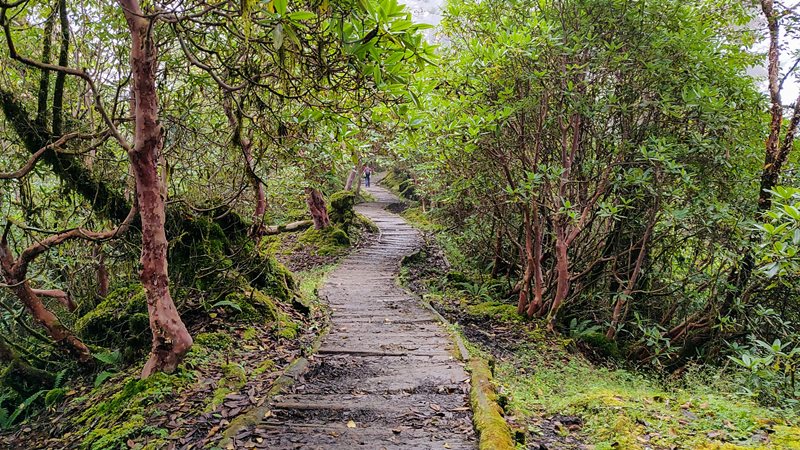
pixel 569 391
pixel 250 317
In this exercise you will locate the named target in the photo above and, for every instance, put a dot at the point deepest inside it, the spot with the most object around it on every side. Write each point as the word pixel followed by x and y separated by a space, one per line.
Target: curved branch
pixel 24 170
pixel 20 268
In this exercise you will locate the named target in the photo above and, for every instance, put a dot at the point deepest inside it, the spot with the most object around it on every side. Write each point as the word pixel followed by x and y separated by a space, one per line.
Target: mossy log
pixel 493 431
pixel 299 225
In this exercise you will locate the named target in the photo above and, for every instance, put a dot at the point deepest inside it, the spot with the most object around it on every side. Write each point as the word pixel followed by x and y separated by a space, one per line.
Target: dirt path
pixel 385 377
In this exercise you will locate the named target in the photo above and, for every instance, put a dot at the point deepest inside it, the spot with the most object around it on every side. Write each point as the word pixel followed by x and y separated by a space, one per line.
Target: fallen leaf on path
pixel 351 424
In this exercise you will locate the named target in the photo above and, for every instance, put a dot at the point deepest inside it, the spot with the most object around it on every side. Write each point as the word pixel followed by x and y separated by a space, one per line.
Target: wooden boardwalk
pixel 385 376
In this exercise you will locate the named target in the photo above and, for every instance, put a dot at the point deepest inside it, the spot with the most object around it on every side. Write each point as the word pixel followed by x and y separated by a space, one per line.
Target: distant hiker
pixel 367 173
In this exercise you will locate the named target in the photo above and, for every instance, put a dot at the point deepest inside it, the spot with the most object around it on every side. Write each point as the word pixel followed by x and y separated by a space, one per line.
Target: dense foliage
pixel 603 158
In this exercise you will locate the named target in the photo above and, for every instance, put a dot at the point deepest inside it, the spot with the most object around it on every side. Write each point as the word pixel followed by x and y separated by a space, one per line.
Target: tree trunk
pixel 316 205
pixel 245 144
pixel 102 272
pixel 562 277
pixel 171 340
pixel 351 177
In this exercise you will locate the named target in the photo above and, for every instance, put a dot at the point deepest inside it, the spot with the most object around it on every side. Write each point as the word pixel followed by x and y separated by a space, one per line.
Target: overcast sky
pixel 429 11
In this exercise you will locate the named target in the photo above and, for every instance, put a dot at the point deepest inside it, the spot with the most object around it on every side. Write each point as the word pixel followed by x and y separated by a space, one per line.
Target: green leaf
pixel 229 303
pixel 280 6
pixel 301 15
pixel 103 376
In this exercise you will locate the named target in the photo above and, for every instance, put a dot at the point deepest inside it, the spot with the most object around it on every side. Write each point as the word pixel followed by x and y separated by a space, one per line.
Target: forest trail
pixel 385 376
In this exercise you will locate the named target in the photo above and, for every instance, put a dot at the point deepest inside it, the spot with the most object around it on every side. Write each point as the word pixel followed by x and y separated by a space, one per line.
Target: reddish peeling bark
pixel 62 297
pixel 525 286
pixel 102 272
pixel 316 205
pixel 14 276
pixel 171 340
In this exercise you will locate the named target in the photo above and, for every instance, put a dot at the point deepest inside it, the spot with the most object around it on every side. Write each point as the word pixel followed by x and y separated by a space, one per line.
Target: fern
pixel 110 358
pixel 9 420
pixel 59 378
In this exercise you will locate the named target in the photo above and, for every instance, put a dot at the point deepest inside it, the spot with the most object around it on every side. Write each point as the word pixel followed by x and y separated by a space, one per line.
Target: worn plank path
pixel 385 377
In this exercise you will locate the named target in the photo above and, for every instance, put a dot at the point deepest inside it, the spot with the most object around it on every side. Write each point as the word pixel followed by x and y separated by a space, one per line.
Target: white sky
pixel 429 11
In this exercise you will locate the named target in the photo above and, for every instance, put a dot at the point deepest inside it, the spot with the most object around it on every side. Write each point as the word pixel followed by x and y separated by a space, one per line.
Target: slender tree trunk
pixel 63 56
pixel 623 301
pixel 562 278
pixel 171 340
pixel 538 278
pixel 527 260
pixel 245 144
pixel 102 272
pixel 316 205
pixel 351 177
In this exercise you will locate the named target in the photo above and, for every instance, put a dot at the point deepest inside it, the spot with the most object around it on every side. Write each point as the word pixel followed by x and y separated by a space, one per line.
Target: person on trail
pixel 367 174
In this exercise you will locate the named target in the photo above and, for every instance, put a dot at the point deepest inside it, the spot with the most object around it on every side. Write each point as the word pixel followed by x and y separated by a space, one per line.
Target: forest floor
pixel 384 376
pixel 559 394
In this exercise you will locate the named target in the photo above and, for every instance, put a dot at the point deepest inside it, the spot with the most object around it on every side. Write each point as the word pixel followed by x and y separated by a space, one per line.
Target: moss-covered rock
pixel 119 321
pixel 341 209
pixel 601 344
pixel 109 423
pixel 328 241
pixel 269 276
pixel 252 307
pixel 401 182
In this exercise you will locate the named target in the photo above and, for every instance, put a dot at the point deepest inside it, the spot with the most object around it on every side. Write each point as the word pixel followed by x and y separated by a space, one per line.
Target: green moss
pixel 286 328
pixel 218 397
pixel 54 396
pixel 495 310
pixel 202 244
pixel 249 334
pixel 253 307
pixel 114 438
pixel 493 431
pixel 787 437
pixel 108 422
pixel 601 344
pixel 329 241
pixel 267 365
pixel 233 379
pixel 341 210
pixel 120 321
pixel 270 276
pixel 366 224
pixel 216 340
pixel 234 375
